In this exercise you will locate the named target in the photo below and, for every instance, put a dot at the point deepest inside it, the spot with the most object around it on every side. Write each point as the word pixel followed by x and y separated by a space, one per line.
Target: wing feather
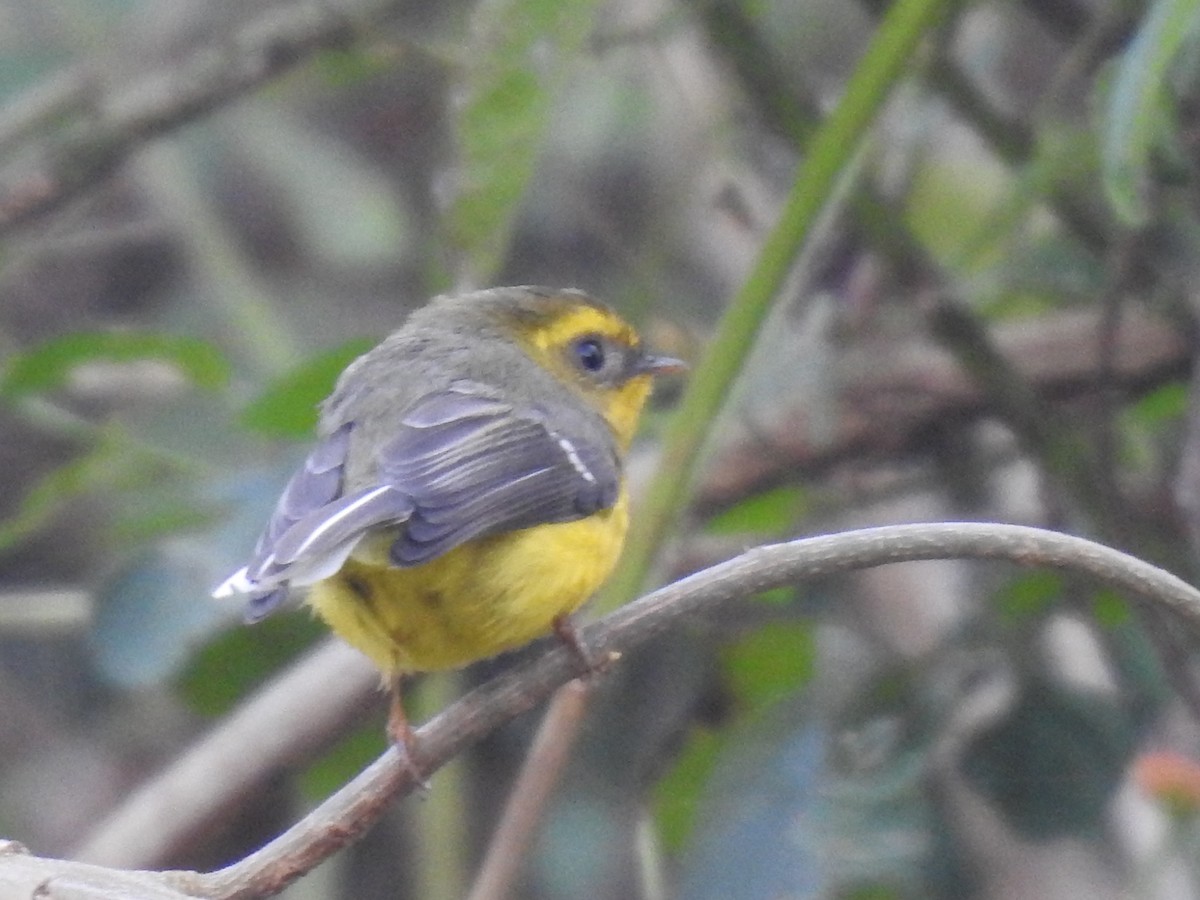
pixel 460 463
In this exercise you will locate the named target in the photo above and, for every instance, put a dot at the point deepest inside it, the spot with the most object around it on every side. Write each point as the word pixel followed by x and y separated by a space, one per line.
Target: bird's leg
pixel 564 630
pixel 400 733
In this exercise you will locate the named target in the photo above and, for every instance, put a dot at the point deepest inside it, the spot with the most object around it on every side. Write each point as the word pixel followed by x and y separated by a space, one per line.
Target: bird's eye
pixel 589 353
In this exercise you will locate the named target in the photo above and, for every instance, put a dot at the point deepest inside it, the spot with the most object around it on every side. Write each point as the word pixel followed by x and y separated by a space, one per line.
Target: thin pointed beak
pixel 660 365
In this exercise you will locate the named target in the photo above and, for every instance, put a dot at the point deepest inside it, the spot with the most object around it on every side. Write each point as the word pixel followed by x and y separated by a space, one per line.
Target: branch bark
pixel 357 806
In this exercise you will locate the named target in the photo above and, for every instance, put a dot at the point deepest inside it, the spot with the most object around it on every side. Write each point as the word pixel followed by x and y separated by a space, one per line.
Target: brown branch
pixel 353 809
pixel 530 795
pixel 357 806
pixel 291 719
pixel 92 145
pixel 896 393
pixel 890 402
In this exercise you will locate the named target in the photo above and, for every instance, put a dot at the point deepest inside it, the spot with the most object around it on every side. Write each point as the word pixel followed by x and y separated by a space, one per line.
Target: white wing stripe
pixel 333 520
pixel 237 583
pixel 573 458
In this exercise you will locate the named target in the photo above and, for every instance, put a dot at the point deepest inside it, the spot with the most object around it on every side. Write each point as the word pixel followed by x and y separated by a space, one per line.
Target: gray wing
pixel 313 529
pixel 460 465
pixel 473 466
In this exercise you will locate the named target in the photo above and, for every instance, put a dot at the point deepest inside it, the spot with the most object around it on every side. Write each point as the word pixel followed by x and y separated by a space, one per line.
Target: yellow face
pixel 600 353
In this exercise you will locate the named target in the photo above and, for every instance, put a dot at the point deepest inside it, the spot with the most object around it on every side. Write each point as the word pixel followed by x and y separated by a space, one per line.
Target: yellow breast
pixel 480 599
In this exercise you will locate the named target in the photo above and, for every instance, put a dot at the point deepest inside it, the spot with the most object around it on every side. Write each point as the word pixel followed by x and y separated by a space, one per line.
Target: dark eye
pixel 589 353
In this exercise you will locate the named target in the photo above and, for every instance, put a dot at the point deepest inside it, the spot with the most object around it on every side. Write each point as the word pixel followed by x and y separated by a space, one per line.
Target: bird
pixel 467 490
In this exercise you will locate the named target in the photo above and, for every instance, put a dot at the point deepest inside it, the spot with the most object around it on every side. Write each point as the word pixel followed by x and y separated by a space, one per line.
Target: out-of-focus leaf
pixel 348 66
pixel 1110 610
pixel 1165 404
pixel 50 364
pixel 767 666
pixel 678 793
pixel 156 610
pixel 770 664
pixel 766 513
pixel 150 616
pixel 1147 425
pixel 1037 273
pixel 288 408
pixel 351 755
pixel 1029 594
pixel 749 844
pixel 1052 764
pixel 950 207
pixel 1137 109
pixel 226 669
pixel 787 820
pixel 110 465
pixel 519 57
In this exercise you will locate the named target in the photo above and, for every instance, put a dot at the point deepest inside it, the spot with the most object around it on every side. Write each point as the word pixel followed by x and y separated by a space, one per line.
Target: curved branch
pixel 354 808
pixel 357 806
pixel 295 716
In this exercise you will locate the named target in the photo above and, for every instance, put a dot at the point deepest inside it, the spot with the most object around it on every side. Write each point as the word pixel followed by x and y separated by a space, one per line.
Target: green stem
pixel 832 150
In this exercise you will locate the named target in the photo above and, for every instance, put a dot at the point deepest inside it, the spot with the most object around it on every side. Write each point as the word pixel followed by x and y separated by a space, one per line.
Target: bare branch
pixel 892 397
pixel 91 146
pixel 289 720
pixel 353 809
pixel 529 797
pixel 357 806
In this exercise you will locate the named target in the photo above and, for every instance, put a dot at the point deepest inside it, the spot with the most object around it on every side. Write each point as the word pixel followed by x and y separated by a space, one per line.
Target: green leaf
pixel 351 755
pixel 1029 595
pixel 226 669
pixel 679 792
pixel 1050 765
pixel 768 512
pixel 521 55
pixel 1111 610
pixel 50 365
pixel 288 407
pixel 111 464
pixel 1166 404
pixel 1138 106
pixel 771 663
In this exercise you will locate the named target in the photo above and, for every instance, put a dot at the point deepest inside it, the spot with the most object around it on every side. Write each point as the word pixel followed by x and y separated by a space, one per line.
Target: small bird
pixel 467 492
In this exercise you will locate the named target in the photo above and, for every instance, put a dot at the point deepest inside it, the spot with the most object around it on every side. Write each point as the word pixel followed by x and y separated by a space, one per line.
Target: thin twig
pixel 540 774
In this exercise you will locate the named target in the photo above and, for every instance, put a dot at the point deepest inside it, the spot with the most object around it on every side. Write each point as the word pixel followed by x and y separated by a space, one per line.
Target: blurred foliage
pixel 165 343
pixel 503 113
pixel 289 407
pixel 1140 116
pixel 50 365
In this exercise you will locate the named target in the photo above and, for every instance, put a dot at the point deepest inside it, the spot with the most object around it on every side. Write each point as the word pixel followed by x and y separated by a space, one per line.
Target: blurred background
pixel 202 220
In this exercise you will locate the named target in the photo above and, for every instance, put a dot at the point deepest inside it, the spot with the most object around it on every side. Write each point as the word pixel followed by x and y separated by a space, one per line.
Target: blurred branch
pixel 1068 457
pixel 1063 453
pixel 892 398
pixel 344 817
pixel 289 720
pixel 831 151
pixel 797 117
pixel 530 795
pixel 105 132
pixel 1012 138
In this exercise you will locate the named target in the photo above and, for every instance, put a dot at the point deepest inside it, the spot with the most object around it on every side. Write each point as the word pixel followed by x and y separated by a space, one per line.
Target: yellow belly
pixel 480 599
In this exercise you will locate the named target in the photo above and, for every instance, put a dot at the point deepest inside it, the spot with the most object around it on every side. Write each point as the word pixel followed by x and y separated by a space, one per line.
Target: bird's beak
pixel 660 365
